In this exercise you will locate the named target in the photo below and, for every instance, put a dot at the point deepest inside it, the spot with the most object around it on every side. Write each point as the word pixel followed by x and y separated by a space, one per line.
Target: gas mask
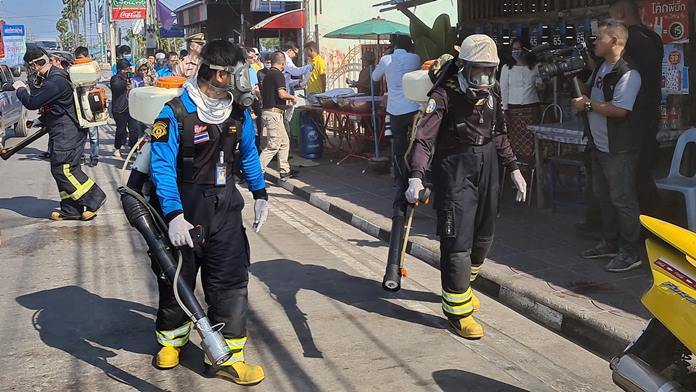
pixel 240 83
pixel 476 80
pixel 34 78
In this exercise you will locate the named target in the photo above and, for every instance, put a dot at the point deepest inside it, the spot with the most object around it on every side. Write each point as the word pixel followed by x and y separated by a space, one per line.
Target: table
pixel 572 132
pixel 352 129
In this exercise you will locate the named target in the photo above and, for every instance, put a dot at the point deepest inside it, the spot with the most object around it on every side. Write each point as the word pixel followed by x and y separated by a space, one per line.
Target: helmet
pixel 477 61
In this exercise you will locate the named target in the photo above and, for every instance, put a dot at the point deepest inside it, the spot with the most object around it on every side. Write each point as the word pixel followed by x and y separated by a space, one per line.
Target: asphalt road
pixel 78 299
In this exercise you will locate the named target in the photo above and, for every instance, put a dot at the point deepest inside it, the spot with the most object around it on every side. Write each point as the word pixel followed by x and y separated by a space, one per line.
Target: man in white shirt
pixel 291 52
pixel 401 110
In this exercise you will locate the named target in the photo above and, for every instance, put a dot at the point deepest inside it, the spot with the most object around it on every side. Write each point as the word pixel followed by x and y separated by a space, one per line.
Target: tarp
pixel 291 20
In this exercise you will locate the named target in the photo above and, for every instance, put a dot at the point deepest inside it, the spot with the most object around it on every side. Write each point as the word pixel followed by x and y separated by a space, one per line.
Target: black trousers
pixel 466 191
pixel 401 130
pixel 132 133
pixel 223 260
pixel 77 191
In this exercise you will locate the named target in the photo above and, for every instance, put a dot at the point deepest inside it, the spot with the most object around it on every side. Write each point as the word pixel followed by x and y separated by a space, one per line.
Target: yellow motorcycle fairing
pixel 672 297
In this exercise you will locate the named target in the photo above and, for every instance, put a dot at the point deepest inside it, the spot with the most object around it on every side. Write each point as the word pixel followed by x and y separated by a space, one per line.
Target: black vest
pixel 200 145
pixel 465 123
pixel 624 133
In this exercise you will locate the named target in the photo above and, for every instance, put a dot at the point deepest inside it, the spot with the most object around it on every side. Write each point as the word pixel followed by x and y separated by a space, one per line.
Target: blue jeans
pixel 614 183
pixel 94 142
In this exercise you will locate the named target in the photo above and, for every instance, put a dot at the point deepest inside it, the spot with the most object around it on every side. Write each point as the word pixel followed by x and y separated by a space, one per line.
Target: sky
pixel 40 16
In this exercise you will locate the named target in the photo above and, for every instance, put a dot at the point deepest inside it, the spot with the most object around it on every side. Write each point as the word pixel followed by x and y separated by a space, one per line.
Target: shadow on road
pixel 74 320
pixel 285 278
pixel 29 206
pixel 454 380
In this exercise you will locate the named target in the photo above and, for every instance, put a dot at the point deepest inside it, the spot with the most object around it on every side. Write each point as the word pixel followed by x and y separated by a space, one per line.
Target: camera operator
pixel 644 50
pixel 614 147
pixel 52 94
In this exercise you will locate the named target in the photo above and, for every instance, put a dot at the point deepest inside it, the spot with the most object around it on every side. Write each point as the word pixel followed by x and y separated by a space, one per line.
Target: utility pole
pixel 112 34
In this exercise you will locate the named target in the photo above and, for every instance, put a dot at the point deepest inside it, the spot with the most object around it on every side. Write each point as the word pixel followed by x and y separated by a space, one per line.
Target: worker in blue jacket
pixel 193 157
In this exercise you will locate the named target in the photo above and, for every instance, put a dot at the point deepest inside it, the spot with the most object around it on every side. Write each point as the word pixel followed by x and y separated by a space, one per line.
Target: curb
pixel 564 317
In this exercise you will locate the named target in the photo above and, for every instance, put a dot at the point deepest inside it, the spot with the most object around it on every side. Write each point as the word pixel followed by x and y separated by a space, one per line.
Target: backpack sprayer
pixel 144 218
pixel 90 99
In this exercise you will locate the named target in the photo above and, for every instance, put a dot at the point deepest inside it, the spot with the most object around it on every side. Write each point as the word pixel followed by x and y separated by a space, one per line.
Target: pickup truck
pixel 12 113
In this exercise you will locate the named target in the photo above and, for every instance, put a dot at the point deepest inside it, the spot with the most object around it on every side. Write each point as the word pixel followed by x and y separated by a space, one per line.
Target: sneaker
pixel 602 251
pixel 288 175
pixel 94 161
pixel 623 262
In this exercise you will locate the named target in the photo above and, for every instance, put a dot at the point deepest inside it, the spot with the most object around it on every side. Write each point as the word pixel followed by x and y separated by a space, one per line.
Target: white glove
pixel 19 84
pixel 179 231
pixel 415 186
pixel 520 184
pixel 261 213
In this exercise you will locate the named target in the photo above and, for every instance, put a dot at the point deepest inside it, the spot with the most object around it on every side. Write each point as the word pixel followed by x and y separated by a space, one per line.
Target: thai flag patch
pixel 200 134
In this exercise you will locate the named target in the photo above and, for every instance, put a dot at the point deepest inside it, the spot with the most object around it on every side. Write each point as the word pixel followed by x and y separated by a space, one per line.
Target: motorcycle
pixel 658 360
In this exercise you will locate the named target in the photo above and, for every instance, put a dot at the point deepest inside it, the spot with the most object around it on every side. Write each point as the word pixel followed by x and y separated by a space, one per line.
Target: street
pixel 78 301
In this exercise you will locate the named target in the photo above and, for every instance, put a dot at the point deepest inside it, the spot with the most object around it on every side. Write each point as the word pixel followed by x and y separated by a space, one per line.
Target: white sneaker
pixel 117 154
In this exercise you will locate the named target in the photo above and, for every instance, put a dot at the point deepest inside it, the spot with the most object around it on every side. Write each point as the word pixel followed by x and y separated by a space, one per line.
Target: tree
pixel 69 40
pixel 62 25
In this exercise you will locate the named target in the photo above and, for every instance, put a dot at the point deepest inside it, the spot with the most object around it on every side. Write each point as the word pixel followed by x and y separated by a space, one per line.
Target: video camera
pixel 567 61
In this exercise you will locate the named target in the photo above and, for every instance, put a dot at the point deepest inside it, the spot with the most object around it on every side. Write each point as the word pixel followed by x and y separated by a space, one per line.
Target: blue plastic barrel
pixel 311 142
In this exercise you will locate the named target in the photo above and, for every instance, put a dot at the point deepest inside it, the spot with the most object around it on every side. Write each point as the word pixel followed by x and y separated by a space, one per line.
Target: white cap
pixel 479 49
pixel 160 55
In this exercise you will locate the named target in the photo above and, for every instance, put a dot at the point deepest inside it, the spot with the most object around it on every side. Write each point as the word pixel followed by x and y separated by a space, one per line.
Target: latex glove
pixel 520 184
pixel 261 213
pixel 19 84
pixel 179 231
pixel 415 186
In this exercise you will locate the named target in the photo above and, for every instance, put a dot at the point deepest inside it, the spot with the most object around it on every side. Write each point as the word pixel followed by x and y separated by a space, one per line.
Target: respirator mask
pixel 240 83
pixel 476 80
pixel 34 78
pixel 517 54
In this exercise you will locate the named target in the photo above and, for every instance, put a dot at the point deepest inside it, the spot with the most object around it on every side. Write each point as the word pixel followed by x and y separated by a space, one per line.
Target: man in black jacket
pixel 52 95
pixel 120 85
pixel 645 51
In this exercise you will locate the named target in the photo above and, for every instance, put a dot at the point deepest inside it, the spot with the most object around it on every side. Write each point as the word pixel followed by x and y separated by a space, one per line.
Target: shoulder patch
pixel 432 105
pixel 160 130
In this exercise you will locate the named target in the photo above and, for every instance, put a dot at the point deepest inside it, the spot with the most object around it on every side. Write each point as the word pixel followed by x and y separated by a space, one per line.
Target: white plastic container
pixel 84 73
pixel 146 103
pixel 416 85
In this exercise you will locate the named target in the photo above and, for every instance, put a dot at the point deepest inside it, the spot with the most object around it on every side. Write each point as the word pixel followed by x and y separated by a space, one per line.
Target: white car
pixel 12 113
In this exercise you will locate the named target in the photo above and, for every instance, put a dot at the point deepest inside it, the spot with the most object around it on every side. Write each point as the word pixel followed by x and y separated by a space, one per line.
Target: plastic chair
pixel 676 182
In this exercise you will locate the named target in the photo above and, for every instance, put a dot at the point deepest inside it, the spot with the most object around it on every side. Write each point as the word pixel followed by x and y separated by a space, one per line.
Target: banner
pixel 668 18
pixel 14 43
pixel 127 13
pixel 174 32
pixel 675 76
pixel 2 47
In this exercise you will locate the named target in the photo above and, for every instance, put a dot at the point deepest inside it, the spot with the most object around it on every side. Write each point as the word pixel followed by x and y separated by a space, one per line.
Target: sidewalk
pixel 533 267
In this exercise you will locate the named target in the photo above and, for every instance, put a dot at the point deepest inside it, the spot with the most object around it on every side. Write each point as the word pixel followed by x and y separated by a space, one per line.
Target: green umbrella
pixel 370 29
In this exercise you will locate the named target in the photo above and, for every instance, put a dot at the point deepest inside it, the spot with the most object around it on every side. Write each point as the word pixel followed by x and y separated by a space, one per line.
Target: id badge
pixel 221 171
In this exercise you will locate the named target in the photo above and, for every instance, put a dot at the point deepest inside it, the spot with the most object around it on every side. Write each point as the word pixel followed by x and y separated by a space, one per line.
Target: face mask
pixel 475 87
pixel 517 54
pixel 128 57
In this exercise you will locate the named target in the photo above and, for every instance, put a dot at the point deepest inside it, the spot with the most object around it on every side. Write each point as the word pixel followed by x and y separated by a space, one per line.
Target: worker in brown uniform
pixel 463 133
pixel 188 65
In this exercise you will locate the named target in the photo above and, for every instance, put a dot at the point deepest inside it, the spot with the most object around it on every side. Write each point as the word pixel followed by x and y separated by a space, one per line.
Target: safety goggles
pixel 40 62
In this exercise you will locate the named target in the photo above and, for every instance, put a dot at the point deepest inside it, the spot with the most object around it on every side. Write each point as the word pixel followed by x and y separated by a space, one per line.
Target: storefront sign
pixel 675 76
pixel 129 3
pixel 127 13
pixel 668 18
pixel 536 31
pixel 14 44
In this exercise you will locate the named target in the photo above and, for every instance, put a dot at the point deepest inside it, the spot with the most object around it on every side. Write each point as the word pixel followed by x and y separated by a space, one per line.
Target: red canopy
pixel 294 19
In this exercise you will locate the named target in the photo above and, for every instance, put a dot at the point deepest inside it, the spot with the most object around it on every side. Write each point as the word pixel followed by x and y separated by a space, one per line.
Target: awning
pixel 294 19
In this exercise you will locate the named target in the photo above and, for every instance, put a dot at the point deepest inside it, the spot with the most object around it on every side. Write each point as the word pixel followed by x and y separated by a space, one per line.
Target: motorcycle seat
pixel 680 238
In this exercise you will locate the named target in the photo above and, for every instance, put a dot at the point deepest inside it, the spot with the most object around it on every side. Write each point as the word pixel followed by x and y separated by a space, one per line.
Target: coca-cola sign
pixel 127 13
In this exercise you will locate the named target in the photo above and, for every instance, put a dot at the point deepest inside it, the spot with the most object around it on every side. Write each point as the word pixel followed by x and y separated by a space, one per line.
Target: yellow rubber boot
pixel 475 302
pixel 240 373
pixel 467 327
pixel 167 357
